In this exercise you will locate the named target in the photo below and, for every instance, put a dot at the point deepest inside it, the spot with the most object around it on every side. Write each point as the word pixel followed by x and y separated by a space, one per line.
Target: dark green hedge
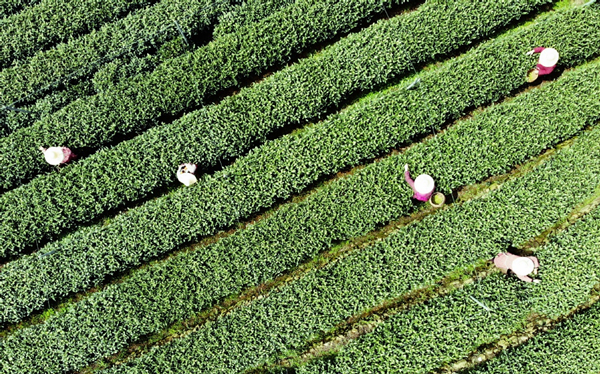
pixel 8 7
pixel 181 83
pixel 55 21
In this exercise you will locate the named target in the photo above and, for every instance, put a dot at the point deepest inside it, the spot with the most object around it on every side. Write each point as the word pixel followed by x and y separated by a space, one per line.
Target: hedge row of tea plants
pixel 182 83
pixel 13 120
pixel 159 295
pixel 248 12
pixel 8 7
pixel 229 21
pixel 572 347
pixel 273 172
pixel 123 35
pixel 55 21
pixel 131 65
pixel 450 328
pixel 103 181
pixel 411 258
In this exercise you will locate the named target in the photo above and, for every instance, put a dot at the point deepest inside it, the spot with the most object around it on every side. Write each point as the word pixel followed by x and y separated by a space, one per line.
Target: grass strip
pixel 181 83
pixel 412 258
pixel 102 182
pixel 449 328
pixel 54 21
pixel 571 347
pixel 288 165
pixel 176 289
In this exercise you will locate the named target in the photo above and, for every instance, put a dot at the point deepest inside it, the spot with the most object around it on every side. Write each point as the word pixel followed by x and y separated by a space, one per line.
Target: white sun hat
pixel 522 266
pixel 548 57
pixel 54 155
pixel 424 184
pixel 187 178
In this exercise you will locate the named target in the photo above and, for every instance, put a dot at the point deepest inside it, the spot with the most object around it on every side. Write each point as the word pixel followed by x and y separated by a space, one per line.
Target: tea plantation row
pixel 411 258
pixel 180 83
pixel 287 166
pixel 110 42
pixel 40 26
pixel 8 7
pixel 449 328
pixel 348 208
pixel 80 53
pixel 103 181
pixel 572 347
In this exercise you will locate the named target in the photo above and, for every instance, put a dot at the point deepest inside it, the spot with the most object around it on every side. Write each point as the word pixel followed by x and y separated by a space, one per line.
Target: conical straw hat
pixel 424 184
pixel 187 178
pixel 54 155
pixel 522 266
pixel 548 57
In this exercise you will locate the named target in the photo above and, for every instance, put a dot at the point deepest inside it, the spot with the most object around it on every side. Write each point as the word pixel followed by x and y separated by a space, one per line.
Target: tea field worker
pixel 185 174
pixel 57 155
pixel 547 61
pixel 422 187
pixel 521 266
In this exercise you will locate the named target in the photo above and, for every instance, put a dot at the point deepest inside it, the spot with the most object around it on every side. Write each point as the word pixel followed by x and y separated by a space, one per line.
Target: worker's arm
pixel 535 50
pixel 536 263
pixel 408 180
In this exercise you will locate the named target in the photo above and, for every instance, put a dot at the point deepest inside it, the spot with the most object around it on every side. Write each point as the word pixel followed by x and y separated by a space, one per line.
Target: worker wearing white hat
pixel 547 61
pixel 422 187
pixel 520 266
pixel 185 174
pixel 57 155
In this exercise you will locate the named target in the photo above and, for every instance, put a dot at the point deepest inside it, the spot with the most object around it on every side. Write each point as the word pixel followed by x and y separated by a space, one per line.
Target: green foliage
pixel 181 83
pixel 13 120
pixel 8 7
pixel 449 328
pixel 271 173
pixel 79 54
pixel 249 11
pixel 142 59
pixel 303 91
pixel 54 21
pixel 413 257
pixel 572 347
pixel 157 296
pixel 134 64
